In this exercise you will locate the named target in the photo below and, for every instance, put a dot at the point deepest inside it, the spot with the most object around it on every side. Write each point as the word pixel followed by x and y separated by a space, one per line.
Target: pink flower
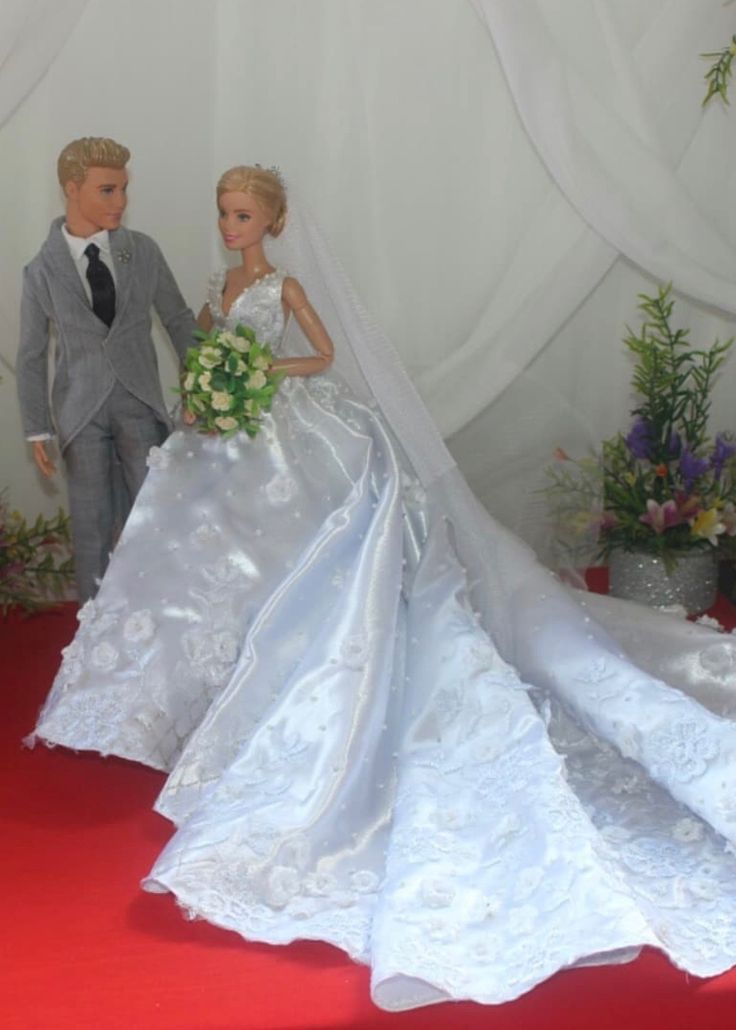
pixel 661 516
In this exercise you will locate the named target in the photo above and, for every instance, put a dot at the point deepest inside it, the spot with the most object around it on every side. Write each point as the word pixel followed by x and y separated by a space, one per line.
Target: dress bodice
pixel 258 306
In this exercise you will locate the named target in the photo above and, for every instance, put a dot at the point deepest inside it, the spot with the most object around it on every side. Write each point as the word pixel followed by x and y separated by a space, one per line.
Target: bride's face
pixel 242 221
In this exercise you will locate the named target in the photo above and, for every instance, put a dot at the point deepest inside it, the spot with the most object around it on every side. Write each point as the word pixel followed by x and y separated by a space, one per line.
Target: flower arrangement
pixel 665 487
pixel 229 381
pixel 35 565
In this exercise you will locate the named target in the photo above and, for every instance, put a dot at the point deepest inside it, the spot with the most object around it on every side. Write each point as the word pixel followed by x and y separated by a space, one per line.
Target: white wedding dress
pixel 387 727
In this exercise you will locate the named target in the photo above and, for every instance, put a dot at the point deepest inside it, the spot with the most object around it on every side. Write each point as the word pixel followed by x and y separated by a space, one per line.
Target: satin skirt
pixel 355 755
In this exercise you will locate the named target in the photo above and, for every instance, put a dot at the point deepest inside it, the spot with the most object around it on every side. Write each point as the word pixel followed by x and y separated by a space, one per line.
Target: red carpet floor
pixel 83 946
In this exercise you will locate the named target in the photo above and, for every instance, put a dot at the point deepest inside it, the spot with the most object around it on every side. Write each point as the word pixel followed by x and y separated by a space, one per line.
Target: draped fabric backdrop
pixel 499 179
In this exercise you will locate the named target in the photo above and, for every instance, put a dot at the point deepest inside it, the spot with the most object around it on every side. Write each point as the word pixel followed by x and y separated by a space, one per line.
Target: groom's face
pixel 100 200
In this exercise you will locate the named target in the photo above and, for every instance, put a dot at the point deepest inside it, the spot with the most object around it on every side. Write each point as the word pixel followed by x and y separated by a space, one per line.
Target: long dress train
pixel 468 795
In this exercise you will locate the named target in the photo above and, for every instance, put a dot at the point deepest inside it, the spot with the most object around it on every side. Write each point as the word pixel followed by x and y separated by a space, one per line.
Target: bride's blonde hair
pixel 262 183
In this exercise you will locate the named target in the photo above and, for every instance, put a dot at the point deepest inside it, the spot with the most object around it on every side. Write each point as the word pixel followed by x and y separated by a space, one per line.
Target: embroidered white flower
pixel 204 534
pixel 364 881
pixel 104 656
pixel 320 884
pixel 437 894
pixel 139 627
pixel 256 381
pixel 528 881
pixel 708 620
pixel 87 612
pixel 222 572
pixel 354 652
pixel 681 750
pixel 687 829
pixel 280 489
pixel 221 400
pixel 205 381
pixel 283 883
pixel 226 422
pixel 225 647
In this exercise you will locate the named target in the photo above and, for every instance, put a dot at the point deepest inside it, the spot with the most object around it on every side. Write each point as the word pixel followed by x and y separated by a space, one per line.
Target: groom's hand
pixel 41 457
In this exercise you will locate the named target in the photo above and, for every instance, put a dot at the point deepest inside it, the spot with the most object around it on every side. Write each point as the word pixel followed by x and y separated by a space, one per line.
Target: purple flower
pixel 723 450
pixel 639 439
pixel 674 445
pixel 691 467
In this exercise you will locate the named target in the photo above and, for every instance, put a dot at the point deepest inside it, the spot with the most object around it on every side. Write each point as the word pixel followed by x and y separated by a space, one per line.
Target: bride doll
pixel 385 725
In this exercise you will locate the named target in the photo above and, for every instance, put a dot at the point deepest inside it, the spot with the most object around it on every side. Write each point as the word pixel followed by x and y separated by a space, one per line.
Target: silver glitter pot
pixel 642 577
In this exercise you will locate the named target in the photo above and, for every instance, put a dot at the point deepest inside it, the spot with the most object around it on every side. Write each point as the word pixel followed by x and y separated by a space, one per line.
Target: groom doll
pixel 95 282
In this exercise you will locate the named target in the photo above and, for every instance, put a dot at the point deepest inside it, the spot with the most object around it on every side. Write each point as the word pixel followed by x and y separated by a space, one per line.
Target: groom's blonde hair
pixel 80 155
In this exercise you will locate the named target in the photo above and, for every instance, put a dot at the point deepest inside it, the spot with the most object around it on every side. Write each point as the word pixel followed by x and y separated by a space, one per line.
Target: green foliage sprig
pixel 35 563
pixel 718 75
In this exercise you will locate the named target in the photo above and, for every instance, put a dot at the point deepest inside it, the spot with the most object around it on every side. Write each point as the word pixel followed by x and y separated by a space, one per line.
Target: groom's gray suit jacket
pixel 90 358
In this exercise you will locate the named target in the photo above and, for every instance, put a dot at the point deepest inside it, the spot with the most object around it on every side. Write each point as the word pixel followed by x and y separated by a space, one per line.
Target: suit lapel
pixel 57 257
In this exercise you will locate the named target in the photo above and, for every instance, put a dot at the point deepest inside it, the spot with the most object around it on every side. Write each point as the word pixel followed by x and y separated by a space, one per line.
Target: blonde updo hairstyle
pixel 80 155
pixel 262 184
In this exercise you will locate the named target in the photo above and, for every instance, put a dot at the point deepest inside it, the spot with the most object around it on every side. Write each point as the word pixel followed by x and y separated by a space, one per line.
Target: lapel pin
pixel 123 255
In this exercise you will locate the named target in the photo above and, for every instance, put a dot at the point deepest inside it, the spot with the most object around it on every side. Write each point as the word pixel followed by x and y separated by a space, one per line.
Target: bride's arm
pixel 310 323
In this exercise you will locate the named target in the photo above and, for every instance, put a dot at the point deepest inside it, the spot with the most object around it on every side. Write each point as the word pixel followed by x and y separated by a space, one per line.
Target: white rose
pixel 204 381
pixel 226 423
pixel 261 362
pixel 221 400
pixel 209 357
pixel 189 381
pixel 256 381
pixel 240 367
pixel 229 338
pixel 240 344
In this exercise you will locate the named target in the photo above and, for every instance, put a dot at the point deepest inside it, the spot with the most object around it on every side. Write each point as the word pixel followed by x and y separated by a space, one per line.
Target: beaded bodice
pixel 258 306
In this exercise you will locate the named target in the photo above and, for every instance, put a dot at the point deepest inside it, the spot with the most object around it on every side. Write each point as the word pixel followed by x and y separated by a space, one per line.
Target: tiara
pixel 275 171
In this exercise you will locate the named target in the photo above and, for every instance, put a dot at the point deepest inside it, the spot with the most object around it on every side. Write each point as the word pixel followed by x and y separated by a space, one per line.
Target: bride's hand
pixel 188 417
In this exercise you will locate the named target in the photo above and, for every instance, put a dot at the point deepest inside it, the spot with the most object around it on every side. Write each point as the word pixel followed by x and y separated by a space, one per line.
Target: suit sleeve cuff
pixel 39 437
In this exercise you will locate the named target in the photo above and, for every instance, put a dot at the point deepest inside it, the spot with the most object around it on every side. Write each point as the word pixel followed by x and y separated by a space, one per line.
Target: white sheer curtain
pixel 502 288
pixel 32 32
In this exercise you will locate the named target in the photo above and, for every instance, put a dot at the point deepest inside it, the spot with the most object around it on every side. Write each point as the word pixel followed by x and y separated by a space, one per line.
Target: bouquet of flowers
pixel 34 560
pixel 665 487
pixel 229 381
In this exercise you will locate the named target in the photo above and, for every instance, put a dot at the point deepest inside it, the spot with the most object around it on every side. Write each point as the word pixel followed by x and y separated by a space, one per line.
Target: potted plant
pixel 659 501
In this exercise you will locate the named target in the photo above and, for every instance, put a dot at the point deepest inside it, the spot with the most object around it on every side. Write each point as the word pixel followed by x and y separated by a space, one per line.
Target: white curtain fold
pixel 579 93
pixel 505 295
pixel 32 32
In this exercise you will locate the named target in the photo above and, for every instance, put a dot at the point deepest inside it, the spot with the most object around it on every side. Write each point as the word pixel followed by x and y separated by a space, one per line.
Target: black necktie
pixel 101 283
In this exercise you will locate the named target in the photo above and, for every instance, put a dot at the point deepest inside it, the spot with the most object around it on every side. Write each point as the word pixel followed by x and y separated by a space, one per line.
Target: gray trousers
pixel 106 466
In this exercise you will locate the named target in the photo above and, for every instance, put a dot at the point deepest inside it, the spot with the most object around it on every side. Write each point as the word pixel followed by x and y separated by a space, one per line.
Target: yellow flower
pixel 708 525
